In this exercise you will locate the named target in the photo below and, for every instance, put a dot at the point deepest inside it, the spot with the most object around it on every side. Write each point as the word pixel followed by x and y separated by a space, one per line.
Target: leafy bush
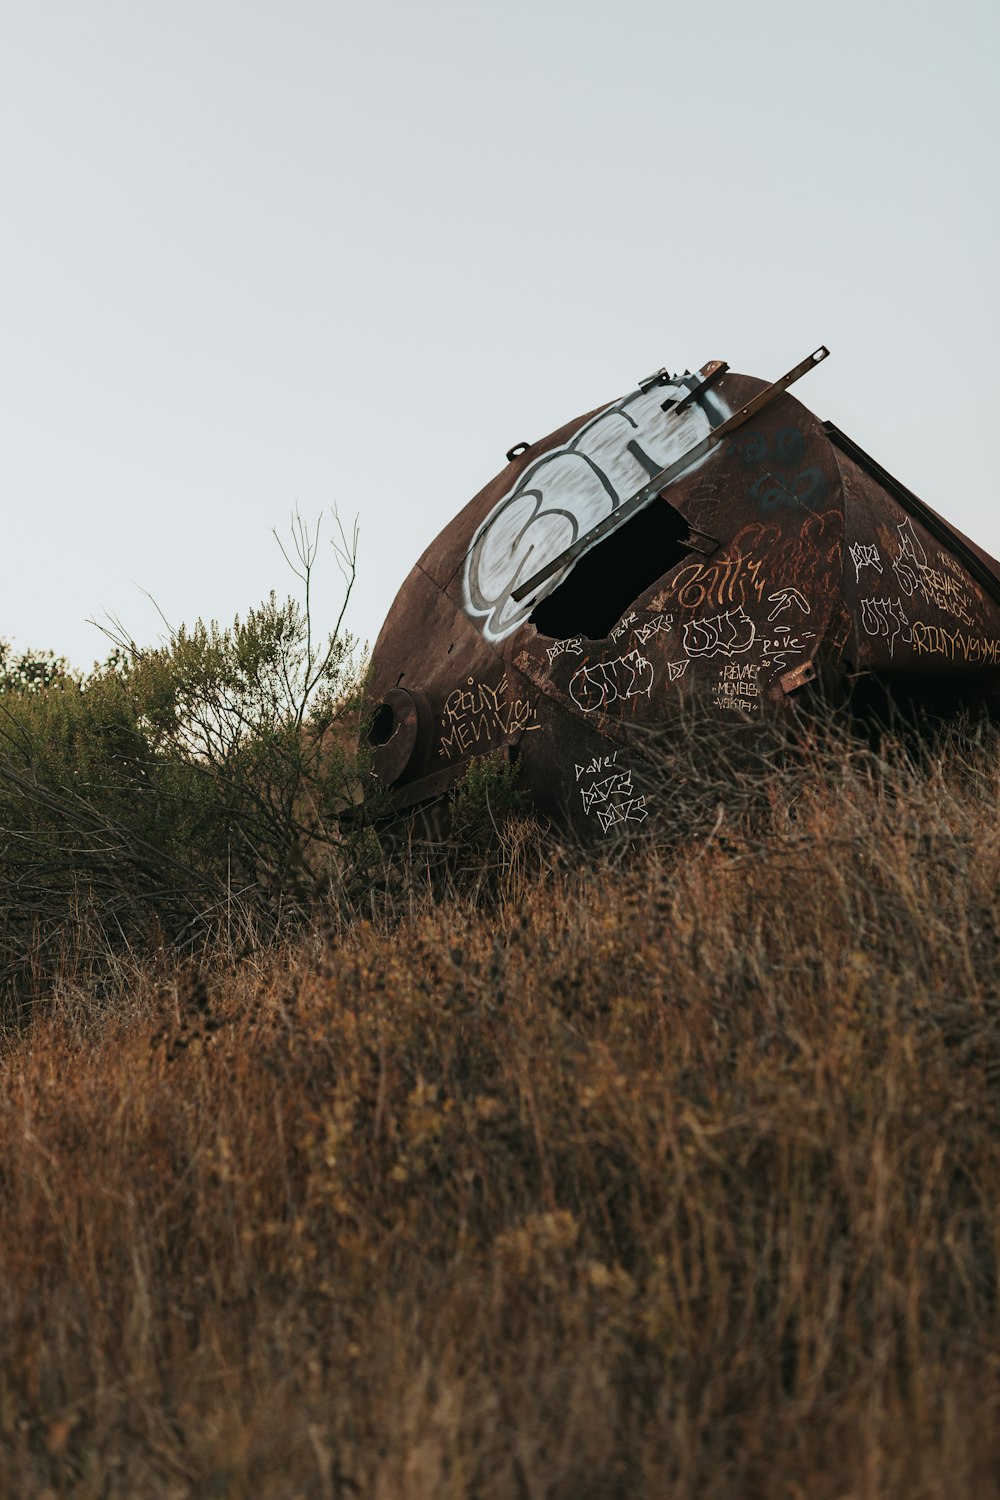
pixel 30 671
pixel 177 791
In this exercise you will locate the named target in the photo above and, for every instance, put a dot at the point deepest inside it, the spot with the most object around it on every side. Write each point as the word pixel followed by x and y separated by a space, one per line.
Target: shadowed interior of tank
pixel 605 581
pixel 915 702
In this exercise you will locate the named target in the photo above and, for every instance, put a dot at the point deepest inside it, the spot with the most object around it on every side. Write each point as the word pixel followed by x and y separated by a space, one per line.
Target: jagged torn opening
pixel 602 583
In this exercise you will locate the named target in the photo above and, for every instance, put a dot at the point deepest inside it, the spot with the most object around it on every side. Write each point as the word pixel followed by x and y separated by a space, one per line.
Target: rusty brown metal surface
pixel 558 621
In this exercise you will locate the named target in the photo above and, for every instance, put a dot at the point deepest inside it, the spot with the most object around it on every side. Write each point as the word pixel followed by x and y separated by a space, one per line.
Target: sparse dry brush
pixel 675 1174
pixel 187 794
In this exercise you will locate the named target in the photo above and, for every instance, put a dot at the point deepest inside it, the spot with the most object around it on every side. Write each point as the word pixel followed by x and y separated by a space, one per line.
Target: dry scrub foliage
pixel 675 1174
pixel 185 794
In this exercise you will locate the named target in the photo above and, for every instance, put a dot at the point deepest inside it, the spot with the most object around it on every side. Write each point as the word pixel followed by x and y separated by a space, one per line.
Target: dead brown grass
pixel 672 1177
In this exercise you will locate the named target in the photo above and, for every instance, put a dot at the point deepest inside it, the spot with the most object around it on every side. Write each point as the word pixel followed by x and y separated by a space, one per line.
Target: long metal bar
pixel 659 481
pixel 716 370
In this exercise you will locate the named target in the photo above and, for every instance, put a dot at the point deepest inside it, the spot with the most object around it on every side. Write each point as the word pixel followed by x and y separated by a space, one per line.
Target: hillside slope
pixel 671 1174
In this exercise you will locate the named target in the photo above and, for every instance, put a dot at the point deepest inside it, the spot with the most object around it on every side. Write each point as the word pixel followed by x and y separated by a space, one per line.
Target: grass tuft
pixel 675 1174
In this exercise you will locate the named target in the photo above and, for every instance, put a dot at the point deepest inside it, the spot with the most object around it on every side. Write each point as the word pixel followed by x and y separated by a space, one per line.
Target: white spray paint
pixel 570 489
pixel 608 791
pixel 728 634
pixel 594 687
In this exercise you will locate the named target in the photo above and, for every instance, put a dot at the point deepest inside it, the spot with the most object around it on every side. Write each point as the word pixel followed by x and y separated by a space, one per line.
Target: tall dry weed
pixel 669 1175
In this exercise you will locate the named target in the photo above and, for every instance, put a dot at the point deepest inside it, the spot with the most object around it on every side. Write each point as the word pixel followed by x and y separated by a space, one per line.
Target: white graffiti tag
pixel 728 634
pixel 886 617
pixel 592 688
pixel 865 556
pixel 569 489
pixel 600 791
pixel 624 624
pixel 739 687
pixel 911 559
pixel 658 624
pixel 632 811
pixel 614 801
pixel 916 575
pixel 479 714
pixel 783 599
pixel 598 764
pixel 778 647
pixel 571 647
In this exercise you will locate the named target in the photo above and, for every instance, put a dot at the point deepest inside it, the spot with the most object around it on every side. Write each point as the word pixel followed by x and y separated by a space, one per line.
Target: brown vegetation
pixel 671 1175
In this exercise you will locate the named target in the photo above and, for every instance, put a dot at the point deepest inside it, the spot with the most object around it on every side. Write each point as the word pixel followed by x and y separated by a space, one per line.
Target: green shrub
pixel 184 790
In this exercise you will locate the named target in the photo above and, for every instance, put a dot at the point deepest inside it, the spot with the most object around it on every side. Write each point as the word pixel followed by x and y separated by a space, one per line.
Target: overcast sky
pixel 264 255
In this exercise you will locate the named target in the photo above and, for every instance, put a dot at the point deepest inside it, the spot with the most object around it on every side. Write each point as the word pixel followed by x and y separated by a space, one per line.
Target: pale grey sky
pixel 258 255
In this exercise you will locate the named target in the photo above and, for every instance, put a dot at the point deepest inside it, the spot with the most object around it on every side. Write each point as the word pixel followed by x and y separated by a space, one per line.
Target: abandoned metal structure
pixel 703 539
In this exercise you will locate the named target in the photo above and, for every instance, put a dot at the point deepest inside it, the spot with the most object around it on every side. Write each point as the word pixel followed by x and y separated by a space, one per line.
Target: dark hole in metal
pixel 607 579
pixel 382 723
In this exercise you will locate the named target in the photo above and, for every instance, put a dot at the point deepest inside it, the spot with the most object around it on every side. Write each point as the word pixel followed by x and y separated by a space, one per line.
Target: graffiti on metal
pixel 739 688
pixel 478 714
pixel 731 633
pixel 597 686
pixel 607 792
pixel 785 563
pixel 569 488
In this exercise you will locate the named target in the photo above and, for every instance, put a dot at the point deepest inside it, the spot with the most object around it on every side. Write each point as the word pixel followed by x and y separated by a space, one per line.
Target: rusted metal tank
pixel 704 540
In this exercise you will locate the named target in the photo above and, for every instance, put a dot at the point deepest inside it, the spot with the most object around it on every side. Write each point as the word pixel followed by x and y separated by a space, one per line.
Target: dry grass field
pixel 672 1174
